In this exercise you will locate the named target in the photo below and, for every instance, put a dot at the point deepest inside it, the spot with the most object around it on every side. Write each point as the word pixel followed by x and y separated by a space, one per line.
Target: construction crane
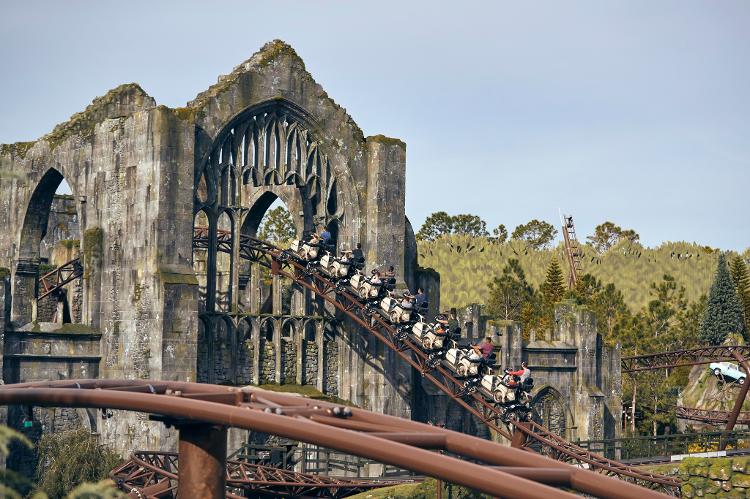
pixel 573 251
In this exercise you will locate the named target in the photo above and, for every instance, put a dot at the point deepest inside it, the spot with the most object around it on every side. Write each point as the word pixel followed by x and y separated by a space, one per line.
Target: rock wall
pixel 716 477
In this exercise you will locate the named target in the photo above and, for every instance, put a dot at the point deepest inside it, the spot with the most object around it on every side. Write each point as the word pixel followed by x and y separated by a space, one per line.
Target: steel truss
pixel 156 474
pixel 62 275
pixel 679 358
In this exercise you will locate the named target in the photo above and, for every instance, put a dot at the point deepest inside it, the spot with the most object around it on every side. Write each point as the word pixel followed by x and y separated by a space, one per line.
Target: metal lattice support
pixel 62 275
pixel 156 474
pixel 709 416
pixel 573 251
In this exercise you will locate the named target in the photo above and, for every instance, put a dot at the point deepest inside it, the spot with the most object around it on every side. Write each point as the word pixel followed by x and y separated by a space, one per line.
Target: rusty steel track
pixel 386 439
pixel 709 416
pixel 535 436
pixel 59 277
pixel 156 474
pixel 679 358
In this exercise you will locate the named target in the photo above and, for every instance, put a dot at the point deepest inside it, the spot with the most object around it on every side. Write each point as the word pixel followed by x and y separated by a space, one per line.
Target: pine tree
pixel 553 287
pixel 741 278
pixel 724 311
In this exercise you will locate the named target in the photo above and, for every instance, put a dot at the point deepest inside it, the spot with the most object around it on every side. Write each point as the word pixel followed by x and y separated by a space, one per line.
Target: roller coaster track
pixel 528 435
pixel 62 275
pixel 708 416
pixel 679 358
pixel 504 472
pixel 156 475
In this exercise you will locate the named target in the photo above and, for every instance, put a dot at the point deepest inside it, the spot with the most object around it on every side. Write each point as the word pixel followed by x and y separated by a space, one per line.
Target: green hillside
pixel 468 264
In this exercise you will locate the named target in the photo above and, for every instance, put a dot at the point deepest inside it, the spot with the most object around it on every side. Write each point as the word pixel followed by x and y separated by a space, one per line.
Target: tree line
pixel 538 234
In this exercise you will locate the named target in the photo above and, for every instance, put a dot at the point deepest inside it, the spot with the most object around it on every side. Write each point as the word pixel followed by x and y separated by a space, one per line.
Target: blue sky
pixel 636 112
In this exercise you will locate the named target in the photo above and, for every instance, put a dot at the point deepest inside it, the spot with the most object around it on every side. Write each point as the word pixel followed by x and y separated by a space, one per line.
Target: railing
pixel 641 447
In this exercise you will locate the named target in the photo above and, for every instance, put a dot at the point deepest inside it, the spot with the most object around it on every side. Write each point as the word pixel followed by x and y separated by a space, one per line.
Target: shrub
pixel 68 459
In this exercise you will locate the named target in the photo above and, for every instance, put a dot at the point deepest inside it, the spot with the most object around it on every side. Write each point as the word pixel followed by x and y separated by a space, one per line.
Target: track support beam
pixel 740 398
pixel 203 461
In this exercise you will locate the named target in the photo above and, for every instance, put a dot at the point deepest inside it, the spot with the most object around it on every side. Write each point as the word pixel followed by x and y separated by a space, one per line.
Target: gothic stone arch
pixel 552 410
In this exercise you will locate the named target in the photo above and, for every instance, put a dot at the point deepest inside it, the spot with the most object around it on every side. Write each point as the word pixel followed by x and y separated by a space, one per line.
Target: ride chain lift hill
pixel 154 187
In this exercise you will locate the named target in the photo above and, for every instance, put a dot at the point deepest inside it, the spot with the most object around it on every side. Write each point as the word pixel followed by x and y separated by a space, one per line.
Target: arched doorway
pixel 551 411
pixel 49 238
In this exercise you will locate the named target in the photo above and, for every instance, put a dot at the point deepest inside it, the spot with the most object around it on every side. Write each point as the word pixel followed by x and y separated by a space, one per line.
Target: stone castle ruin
pixel 161 198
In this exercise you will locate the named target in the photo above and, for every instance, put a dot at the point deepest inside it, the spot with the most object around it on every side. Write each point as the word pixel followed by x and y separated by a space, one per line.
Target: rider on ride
pixel 375 278
pixel 407 302
pixel 485 350
pixel 325 241
pixel 518 377
pixel 358 257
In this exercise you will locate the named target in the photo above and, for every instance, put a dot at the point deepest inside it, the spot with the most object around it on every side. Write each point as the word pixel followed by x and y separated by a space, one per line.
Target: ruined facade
pixel 143 176
pixel 145 179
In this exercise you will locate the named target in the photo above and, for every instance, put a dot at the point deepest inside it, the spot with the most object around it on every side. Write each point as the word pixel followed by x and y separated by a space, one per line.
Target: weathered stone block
pixel 720 469
pixel 740 480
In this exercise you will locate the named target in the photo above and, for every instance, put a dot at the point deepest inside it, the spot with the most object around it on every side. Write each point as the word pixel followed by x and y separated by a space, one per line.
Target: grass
pixel 468 264
pixel 423 490
pixel 306 391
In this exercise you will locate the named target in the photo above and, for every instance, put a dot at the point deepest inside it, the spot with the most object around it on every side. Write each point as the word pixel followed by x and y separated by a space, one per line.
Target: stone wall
pixel 310 363
pixel 716 477
pixel 331 366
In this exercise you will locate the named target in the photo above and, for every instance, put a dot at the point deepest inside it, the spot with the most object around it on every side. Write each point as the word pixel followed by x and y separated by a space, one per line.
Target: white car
pixel 728 370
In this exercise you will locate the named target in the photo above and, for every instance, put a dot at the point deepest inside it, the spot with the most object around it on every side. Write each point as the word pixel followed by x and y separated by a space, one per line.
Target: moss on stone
pixel 170 277
pixel 4 272
pixel 388 141
pixel 265 56
pixel 69 243
pixel 93 239
pixel 275 49
pixel 18 149
pixel 186 113
pixel 74 328
pixel 720 469
pixel 84 124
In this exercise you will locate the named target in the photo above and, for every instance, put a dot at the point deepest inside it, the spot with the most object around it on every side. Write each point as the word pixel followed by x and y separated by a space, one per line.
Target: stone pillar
pixel 255 335
pixel 511 343
pixel 299 349
pixel 93 240
pixel 277 347
pixel 4 319
pixel 23 308
pixel 276 294
pixel 319 337
pixel 254 283
pixel 386 217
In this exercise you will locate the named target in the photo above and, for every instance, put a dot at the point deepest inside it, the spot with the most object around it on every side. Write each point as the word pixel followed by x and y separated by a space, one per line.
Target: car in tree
pixel 725 370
